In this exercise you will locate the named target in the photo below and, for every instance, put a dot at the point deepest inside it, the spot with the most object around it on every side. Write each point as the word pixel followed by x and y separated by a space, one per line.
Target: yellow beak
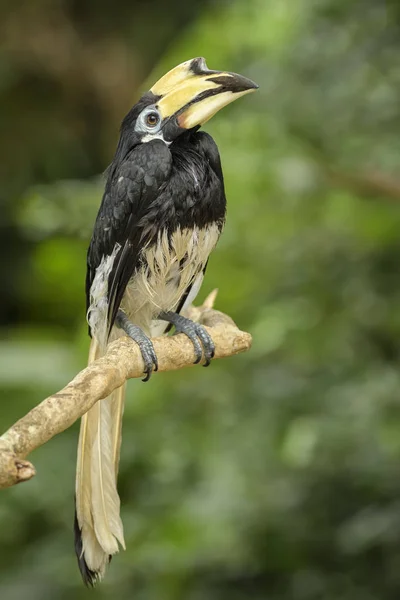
pixel 193 93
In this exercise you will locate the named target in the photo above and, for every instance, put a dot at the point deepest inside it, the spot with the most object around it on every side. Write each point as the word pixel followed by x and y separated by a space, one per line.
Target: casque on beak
pixel 192 93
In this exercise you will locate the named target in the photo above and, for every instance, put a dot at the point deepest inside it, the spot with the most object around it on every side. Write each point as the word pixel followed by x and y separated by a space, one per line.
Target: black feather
pixel 89 577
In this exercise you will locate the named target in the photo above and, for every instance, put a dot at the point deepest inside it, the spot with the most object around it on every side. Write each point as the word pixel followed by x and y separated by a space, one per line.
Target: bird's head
pixel 183 99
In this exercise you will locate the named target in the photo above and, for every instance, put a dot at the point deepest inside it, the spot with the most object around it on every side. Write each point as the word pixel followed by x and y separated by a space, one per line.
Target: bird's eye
pixel 149 121
pixel 152 119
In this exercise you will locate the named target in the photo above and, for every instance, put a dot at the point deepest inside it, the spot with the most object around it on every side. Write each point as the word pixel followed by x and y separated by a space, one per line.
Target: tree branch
pixel 122 361
pixel 371 183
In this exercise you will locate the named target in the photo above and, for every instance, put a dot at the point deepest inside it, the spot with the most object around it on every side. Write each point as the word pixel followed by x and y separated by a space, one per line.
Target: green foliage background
pixel 276 474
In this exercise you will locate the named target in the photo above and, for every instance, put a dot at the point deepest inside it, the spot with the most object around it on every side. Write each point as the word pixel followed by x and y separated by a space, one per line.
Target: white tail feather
pixel 97 500
pixel 105 504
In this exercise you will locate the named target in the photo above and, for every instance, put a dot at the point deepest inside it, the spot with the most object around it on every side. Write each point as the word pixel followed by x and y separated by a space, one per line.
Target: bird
pixel 161 215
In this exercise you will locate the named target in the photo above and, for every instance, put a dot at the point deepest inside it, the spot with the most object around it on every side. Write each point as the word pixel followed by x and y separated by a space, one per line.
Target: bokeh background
pixel 274 475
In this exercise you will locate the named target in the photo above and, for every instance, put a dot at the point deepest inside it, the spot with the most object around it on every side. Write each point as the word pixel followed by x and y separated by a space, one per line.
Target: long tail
pixel 98 525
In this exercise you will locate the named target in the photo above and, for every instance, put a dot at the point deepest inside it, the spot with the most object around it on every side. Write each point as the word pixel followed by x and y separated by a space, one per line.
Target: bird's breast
pixel 169 267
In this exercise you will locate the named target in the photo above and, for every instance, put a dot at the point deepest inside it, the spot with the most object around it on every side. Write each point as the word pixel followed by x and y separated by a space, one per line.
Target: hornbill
pixel 161 215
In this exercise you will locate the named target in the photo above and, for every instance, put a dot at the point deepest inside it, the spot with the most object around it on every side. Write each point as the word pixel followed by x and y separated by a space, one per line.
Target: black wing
pixel 131 190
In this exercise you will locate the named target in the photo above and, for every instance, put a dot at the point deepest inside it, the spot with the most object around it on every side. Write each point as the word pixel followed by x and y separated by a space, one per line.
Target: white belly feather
pixel 169 267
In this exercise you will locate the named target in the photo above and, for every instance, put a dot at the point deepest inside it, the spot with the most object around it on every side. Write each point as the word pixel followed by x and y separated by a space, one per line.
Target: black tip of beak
pixel 251 85
pixel 233 82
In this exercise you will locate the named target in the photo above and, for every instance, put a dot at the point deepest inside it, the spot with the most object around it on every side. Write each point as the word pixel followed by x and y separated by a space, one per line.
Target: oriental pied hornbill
pixel 161 215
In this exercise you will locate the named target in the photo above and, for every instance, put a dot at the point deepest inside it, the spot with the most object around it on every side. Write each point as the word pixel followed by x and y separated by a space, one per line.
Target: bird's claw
pixel 201 340
pixel 145 344
pixel 149 357
pixel 198 335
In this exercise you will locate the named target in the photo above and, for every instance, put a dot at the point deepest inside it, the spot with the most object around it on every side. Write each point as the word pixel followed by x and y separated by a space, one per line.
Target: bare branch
pixel 371 183
pixel 121 362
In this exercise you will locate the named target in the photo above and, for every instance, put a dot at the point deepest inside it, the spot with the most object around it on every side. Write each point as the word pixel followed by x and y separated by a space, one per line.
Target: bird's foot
pixel 200 338
pixel 145 344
